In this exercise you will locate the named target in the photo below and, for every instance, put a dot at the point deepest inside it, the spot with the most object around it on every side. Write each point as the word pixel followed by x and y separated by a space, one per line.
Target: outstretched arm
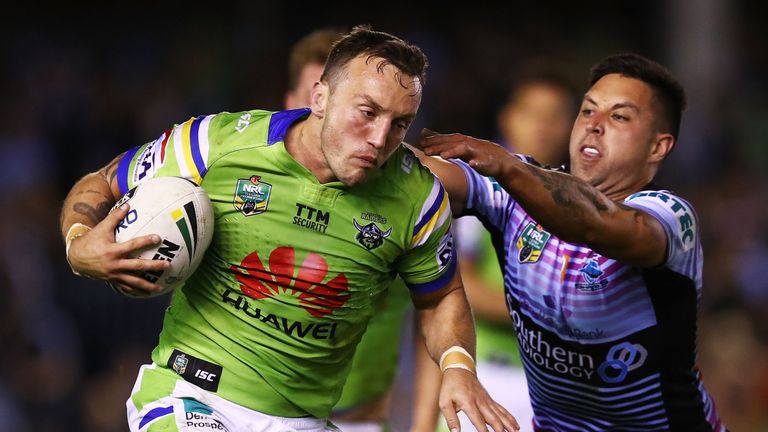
pixel 565 205
pixel 88 230
pixel 446 322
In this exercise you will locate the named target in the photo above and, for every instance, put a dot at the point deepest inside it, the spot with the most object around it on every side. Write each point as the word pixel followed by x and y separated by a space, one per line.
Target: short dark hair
pixel 362 40
pixel 666 88
pixel 312 48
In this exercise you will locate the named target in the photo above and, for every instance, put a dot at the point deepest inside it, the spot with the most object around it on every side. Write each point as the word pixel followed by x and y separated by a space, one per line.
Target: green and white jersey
pixel 296 268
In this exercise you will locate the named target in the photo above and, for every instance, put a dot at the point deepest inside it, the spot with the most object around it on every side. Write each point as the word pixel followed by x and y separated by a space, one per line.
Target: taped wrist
pixel 75 231
pixel 457 357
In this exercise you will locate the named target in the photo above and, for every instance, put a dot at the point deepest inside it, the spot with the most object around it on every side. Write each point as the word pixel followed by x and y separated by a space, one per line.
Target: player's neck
pixel 302 142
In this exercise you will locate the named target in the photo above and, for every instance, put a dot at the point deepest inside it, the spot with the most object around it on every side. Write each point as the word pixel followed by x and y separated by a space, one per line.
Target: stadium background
pixel 81 83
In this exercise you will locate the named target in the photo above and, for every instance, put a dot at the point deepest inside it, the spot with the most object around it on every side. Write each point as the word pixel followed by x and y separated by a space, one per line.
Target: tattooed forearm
pixel 568 192
pixel 96 214
pixel 92 192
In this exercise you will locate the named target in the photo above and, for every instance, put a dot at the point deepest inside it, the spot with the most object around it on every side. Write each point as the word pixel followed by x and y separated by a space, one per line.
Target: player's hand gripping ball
pixel 180 212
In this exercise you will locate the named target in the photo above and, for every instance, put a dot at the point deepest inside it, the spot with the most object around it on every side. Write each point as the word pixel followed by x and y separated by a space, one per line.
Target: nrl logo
pixel 252 196
pixel 180 364
pixel 531 243
pixel 371 236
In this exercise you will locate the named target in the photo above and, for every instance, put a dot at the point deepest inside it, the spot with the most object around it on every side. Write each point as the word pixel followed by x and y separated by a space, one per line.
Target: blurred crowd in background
pixel 80 85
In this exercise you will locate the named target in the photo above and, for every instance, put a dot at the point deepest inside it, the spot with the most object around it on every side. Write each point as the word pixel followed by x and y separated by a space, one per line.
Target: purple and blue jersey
pixel 605 345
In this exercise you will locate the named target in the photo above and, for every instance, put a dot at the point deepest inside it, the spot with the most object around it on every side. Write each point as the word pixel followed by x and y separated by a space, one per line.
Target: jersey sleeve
pixel 430 261
pixel 183 151
pixel 485 197
pixel 684 254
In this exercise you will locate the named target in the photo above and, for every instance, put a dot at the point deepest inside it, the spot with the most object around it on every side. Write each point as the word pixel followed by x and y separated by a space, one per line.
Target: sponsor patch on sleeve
pixel 151 158
pixel 681 212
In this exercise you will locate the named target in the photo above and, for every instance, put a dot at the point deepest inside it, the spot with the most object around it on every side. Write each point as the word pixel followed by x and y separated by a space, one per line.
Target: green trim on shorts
pixel 155 384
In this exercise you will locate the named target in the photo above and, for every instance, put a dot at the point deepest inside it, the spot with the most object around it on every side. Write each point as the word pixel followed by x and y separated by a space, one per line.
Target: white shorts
pixel 189 408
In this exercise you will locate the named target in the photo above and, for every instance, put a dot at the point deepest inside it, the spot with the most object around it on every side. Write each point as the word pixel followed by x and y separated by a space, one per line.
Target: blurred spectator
pixel 537 117
pixel 306 65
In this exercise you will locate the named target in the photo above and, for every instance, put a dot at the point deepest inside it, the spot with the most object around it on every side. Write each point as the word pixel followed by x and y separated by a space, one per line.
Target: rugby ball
pixel 180 212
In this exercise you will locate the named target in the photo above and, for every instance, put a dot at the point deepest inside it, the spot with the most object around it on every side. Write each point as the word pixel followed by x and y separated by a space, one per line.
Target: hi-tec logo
pixel 370 236
pixel 317 297
pixel 621 359
pixel 685 219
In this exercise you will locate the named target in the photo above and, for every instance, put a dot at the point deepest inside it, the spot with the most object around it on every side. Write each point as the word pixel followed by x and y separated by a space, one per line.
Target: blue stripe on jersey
pixel 281 121
pixel 438 283
pixel 194 141
pixel 431 212
pixel 155 413
pixel 122 169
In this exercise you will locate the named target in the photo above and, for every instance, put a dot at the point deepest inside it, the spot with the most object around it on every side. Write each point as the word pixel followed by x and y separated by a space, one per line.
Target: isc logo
pixel 205 376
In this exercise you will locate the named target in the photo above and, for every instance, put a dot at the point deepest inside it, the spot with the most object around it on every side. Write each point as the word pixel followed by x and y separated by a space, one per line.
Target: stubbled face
pixel 613 135
pixel 300 97
pixel 365 117
pixel 538 121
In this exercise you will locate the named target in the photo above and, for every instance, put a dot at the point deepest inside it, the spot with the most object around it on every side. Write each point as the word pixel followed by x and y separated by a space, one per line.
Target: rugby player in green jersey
pixel 315 212
pixel 366 399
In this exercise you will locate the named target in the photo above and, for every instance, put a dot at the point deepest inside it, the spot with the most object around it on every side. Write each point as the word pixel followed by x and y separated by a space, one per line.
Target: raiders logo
pixel 370 236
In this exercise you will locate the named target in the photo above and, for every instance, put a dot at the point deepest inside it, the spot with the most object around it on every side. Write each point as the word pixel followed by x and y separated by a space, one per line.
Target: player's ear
pixel 662 146
pixel 319 98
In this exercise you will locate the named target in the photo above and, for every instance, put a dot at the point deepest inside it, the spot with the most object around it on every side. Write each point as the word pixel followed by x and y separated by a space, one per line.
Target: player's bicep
pixel 632 236
pixel 430 299
pixel 430 259
pixel 109 175
pixel 181 151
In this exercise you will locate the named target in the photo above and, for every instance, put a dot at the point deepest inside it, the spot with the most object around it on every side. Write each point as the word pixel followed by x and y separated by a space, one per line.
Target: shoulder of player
pixel 661 198
pixel 675 213
pixel 229 126
pixel 404 167
pixel 409 182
